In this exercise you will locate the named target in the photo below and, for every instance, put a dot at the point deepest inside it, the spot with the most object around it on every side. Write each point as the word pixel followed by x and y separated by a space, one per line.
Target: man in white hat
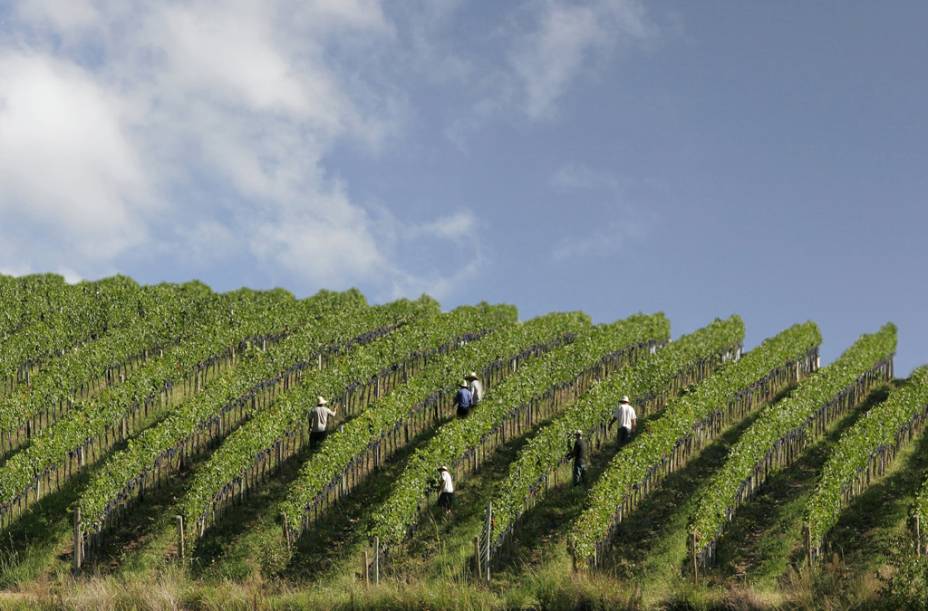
pixel 463 400
pixel 580 452
pixel 319 420
pixel 475 387
pixel 627 418
pixel 445 489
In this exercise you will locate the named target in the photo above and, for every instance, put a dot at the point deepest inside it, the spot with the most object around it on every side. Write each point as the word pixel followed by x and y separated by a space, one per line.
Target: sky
pixel 700 158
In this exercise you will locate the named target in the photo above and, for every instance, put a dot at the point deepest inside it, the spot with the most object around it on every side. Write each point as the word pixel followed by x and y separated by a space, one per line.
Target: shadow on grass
pixel 870 527
pixel 326 547
pixel 766 532
pixel 38 539
pixel 662 516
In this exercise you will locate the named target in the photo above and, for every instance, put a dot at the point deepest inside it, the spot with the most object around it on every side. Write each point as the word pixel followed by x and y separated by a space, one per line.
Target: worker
pixel 445 489
pixel 580 452
pixel 463 400
pixel 475 387
pixel 627 418
pixel 319 421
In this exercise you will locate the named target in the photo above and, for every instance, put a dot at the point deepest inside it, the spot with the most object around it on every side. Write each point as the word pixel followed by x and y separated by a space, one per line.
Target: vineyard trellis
pixel 863 454
pixel 198 423
pixel 652 382
pixel 246 461
pixel 96 425
pixel 684 428
pixel 780 436
pixel 541 389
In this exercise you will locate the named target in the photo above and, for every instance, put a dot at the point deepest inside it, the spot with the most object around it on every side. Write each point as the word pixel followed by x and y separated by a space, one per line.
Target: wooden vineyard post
pixel 366 569
pixel 181 544
pixel 695 562
pixel 489 540
pixel 918 536
pixel 377 560
pixel 288 538
pixel 807 533
pixel 477 570
pixel 76 554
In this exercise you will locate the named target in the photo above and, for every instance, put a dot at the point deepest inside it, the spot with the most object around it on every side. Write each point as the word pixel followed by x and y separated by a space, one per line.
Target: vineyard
pixel 157 450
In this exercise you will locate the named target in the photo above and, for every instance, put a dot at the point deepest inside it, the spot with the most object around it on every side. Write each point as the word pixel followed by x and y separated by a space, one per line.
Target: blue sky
pixel 701 158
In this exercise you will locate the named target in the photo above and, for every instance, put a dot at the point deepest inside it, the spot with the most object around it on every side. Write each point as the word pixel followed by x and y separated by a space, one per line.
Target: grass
pixel 763 543
pixel 235 565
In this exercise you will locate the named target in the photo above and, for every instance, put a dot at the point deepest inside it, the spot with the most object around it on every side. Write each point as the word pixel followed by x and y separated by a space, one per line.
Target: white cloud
pixel 579 176
pixel 602 242
pixel 567 37
pixel 67 163
pixel 61 16
pixel 187 130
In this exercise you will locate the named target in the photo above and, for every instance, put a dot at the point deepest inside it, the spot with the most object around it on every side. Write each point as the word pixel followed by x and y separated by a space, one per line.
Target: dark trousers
pixel 446 500
pixel 625 435
pixel 316 438
pixel 579 474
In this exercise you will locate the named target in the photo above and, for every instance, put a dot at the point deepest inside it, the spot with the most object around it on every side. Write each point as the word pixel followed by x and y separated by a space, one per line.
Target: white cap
pixel 321 401
pixel 624 398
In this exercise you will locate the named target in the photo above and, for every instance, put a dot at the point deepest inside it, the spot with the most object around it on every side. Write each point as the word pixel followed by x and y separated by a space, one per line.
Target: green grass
pixel 764 540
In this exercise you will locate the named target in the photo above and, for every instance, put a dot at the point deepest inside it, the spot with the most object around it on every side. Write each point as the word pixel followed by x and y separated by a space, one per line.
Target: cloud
pixel 67 164
pixel 579 176
pixel 565 39
pixel 195 131
pixel 602 242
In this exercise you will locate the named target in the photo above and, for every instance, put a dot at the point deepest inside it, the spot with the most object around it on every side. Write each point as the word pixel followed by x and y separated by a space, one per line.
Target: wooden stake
pixel 918 536
pixel 377 560
pixel 181 543
pixel 695 563
pixel 477 563
pixel 366 569
pixel 807 532
pixel 76 555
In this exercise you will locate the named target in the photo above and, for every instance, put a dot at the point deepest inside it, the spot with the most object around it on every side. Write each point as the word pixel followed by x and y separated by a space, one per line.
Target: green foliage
pixel 238 317
pixel 336 327
pixel 530 382
pixel 790 417
pixel 75 314
pixel 650 378
pixel 635 464
pixel 256 438
pixel 170 314
pixel 881 427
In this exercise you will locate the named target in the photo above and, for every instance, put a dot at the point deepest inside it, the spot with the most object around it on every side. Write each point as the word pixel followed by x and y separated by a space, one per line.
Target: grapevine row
pixel 537 391
pixel 780 435
pixel 863 453
pixel 94 426
pixel 85 312
pixel 107 361
pixel 349 455
pixel 258 446
pixel 650 383
pixel 27 298
pixel 237 396
pixel 687 424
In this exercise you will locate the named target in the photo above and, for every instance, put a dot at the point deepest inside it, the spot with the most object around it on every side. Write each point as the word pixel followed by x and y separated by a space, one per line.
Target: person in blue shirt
pixel 463 400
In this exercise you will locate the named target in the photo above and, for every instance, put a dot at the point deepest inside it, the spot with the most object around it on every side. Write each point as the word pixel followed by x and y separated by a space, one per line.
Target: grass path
pixel 764 540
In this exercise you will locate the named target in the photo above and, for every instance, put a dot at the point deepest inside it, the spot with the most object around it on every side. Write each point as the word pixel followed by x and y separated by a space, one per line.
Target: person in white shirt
pixel 319 420
pixel 446 489
pixel 475 387
pixel 627 418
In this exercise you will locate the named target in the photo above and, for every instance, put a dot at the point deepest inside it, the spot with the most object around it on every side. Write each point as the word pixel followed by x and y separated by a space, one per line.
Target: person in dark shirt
pixel 581 455
pixel 463 400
